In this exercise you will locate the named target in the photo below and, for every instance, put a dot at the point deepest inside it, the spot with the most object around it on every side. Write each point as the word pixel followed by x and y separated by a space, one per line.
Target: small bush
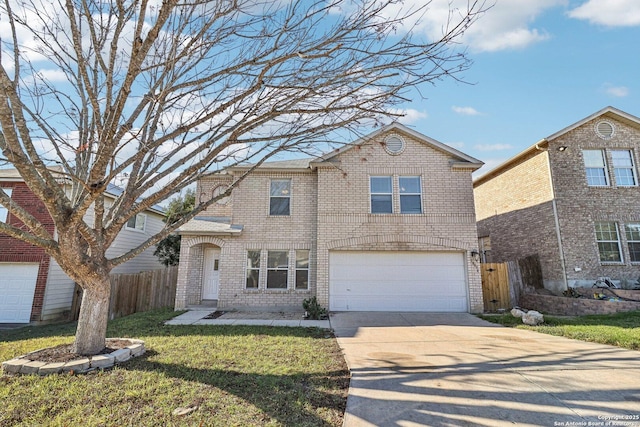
pixel 313 310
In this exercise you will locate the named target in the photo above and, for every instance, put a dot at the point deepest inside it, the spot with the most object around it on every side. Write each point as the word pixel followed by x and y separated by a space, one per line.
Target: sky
pixel 539 66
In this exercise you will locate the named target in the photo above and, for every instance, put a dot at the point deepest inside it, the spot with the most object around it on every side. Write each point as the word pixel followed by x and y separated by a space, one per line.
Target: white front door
pixel 211 273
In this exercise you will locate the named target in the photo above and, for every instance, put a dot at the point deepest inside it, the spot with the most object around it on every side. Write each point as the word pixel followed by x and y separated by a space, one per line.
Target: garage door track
pixel 411 369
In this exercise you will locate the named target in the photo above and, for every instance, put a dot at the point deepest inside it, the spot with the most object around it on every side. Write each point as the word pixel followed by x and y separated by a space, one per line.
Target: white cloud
pixel 492 147
pixel 53 75
pixel 618 13
pixel 410 115
pixel 466 111
pixel 506 25
pixel 617 91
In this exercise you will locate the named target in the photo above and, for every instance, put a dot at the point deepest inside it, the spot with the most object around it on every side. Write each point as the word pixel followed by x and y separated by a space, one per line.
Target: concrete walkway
pixel 197 317
pixel 415 369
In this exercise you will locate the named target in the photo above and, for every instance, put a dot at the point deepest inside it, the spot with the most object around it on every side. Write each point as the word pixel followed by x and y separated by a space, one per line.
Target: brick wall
pixel 580 206
pixel 515 209
pixel 564 306
pixel 14 250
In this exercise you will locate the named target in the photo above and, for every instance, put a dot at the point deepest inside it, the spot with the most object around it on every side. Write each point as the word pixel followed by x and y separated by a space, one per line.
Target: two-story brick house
pixel 385 223
pixel 572 198
pixel 33 286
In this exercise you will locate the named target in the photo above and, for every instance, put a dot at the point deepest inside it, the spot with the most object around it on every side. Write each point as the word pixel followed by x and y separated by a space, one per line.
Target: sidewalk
pixel 197 317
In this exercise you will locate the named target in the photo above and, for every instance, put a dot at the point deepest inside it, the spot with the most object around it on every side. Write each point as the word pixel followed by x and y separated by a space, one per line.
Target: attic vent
pixel 394 144
pixel 605 130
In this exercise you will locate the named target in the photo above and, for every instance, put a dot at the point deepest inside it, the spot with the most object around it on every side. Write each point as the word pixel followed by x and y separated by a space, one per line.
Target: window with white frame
pixel 302 269
pixel 608 242
pixel 410 195
pixel 633 241
pixel 381 189
pixel 137 222
pixel 595 167
pixel 253 269
pixel 277 269
pixel 3 211
pixel 280 197
pixel 623 168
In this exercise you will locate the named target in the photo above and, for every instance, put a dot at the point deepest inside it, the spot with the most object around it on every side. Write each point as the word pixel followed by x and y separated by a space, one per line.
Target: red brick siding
pixel 14 250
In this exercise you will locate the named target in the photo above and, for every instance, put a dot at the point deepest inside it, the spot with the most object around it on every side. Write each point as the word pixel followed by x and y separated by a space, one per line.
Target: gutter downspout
pixel 555 217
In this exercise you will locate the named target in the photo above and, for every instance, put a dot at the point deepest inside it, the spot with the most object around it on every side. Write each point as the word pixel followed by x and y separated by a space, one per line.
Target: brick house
pixel 572 198
pixel 385 223
pixel 33 287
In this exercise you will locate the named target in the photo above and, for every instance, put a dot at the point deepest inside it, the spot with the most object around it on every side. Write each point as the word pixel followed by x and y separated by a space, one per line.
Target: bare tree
pixel 161 92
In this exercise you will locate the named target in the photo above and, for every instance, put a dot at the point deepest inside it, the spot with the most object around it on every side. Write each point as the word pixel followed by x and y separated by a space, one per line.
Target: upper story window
pixel 137 222
pixel 623 168
pixel 3 211
pixel 595 167
pixel 280 197
pixel 410 195
pixel 381 189
pixel 608 241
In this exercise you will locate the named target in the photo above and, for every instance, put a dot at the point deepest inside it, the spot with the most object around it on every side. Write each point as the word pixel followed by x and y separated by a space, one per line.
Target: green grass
pixel 235 375
pixel 620 329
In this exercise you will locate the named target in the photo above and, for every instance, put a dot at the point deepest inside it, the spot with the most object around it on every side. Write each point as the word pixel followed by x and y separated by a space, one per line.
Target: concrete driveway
pixel 414 369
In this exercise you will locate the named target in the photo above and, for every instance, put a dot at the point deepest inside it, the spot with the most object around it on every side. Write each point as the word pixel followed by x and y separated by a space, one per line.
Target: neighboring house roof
pixel 12 175
pixel 204 225
pixel 605 112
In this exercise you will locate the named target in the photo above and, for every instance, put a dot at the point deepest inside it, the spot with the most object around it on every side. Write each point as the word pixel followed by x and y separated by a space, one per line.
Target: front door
pixel 211 273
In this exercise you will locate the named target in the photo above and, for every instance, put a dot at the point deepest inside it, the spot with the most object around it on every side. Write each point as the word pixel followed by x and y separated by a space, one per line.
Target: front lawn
pixel 620 329
pixel 234 375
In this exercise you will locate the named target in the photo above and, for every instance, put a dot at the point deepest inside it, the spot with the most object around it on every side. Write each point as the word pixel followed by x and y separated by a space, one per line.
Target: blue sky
pixel 539 66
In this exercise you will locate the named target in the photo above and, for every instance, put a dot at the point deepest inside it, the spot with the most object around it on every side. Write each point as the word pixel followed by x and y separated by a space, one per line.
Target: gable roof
pixel 609 111
pixel 464 158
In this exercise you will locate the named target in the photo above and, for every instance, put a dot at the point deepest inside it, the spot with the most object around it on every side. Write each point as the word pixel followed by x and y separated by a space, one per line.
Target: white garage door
pixel 17 288
pixel 397 281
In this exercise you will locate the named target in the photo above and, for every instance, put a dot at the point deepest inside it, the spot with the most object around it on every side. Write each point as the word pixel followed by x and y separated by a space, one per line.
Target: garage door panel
pixel 397 281
pixel 17 289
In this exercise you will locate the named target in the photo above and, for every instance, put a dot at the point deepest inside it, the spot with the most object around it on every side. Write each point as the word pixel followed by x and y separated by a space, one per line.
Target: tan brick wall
pixel 344 221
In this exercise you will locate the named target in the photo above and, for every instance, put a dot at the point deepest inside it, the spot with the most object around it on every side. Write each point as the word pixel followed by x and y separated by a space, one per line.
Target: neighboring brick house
pixel 386 223
pixel 572 198
pixel 33 287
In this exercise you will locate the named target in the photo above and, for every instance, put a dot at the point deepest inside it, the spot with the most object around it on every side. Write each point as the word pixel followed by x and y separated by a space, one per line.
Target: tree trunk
pixel 91 333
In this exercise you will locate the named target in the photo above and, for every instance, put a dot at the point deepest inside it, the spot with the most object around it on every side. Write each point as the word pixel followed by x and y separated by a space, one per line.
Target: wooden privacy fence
pixel 495 286
pixel 137 292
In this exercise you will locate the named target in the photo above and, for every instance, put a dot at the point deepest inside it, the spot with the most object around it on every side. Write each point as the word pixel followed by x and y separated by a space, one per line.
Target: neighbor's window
pixel 381 194
pixel 253 269
pixel 410 195
pixel 623 168
pixel 633 241
pixel 3 211
pixel 302 269
pixel 137 222
pixel 280 197
pixel 277 269
pixel 595 167
pixel 608 242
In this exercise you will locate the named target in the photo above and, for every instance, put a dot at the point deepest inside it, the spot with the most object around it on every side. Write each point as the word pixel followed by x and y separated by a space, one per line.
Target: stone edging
pixel 24 365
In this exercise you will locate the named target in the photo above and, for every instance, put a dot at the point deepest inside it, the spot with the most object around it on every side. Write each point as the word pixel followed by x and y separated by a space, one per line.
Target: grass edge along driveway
pixel 620 329
pixel 233 375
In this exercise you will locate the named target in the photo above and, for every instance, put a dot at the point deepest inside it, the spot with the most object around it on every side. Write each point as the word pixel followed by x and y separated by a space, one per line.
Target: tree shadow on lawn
pixel 281 397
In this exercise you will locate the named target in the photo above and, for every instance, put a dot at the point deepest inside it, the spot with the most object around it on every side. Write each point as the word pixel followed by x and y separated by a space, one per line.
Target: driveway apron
pixel 414 369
